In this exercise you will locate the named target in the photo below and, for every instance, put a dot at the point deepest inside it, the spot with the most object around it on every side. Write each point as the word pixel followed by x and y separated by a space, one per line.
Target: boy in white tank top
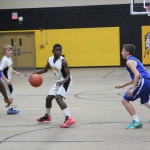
pixel 7 69
pixel 60 89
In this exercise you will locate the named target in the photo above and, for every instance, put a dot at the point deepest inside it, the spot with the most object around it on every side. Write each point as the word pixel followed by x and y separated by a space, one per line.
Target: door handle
pixel 16 52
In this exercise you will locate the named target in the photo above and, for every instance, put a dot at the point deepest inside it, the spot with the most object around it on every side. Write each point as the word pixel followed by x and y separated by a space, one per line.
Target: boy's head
pixel 6 47
pixel 129 48
pixel 57 50
pixel 57 45
pixel 7 50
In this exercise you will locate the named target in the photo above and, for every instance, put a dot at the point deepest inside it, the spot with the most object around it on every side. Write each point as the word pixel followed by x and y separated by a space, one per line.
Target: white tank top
pixel 57 67
pixel 6 66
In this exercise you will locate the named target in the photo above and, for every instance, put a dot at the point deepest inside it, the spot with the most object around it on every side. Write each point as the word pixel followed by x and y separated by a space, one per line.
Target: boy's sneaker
pixel 45 118
pixel 130 126
pixel 138 124
pixel 68 122
pixel 12 111
pixel 134 125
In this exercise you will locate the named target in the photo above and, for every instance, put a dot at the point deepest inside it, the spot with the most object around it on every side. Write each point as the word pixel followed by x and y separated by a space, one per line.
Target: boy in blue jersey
pixel 140 84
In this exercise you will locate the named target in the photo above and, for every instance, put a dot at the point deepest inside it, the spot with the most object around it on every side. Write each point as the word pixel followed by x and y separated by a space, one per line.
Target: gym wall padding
pixel 87 20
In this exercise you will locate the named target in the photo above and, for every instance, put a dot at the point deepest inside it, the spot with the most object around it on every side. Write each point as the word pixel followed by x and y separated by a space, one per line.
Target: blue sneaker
pixel 134 125
pixel 138 124
pixel 12 111
pixel 131 125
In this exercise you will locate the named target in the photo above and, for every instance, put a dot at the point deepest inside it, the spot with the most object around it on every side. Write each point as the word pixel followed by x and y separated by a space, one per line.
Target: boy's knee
pixel 124 101
pixel 58 97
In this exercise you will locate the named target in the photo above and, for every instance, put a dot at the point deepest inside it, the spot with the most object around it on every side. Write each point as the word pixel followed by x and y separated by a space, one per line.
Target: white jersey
pixel 60 74
pixel 57 67
pixel 6 66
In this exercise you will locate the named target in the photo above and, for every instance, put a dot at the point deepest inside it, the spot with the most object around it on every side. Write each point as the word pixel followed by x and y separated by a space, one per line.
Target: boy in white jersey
pixel 140 80
pixel 59 90
pixel 6 68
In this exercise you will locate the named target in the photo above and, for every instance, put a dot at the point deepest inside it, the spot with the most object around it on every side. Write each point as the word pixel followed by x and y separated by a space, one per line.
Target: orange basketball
pixel 35 80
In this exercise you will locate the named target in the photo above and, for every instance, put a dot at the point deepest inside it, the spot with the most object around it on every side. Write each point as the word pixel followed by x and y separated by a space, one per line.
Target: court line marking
pixel 81 94
pixel 71 141
pixel 35 130
pixel 73 108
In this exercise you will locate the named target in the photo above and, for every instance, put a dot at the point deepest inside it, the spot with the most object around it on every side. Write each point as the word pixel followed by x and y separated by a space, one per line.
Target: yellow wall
pixel 145 58
pixel 81 47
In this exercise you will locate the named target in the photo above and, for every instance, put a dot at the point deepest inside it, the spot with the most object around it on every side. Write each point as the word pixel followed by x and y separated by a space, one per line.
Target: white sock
pixel 10 106
pixel 48 111
pixel 136 118
pixel 147 104
pixel 66 112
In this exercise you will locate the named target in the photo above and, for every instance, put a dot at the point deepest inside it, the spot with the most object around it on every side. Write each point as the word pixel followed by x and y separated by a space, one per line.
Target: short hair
pixel 57 45
pixel 6 46
pixel 130 48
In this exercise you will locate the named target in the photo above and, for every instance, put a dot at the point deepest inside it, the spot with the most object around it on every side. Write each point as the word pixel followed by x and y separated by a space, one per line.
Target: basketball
pixel 35 80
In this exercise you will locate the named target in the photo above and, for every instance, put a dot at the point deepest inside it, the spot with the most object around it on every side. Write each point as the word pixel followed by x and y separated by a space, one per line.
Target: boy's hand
pixel 119 86
pixel 17 73
pixel 8 101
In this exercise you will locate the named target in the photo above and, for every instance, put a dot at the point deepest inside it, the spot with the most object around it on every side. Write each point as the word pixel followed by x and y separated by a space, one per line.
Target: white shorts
pixel 60 90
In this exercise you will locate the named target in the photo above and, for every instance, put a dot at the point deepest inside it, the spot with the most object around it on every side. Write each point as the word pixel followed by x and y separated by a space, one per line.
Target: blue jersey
pixel 142 89
pixel 139 66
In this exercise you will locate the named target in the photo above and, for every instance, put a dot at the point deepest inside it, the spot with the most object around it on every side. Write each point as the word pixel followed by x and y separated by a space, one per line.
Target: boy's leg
pixel 4 93
pixel 11 109
pixel 129 107
pixel 136 122
pixel 48 105
pixel 68 119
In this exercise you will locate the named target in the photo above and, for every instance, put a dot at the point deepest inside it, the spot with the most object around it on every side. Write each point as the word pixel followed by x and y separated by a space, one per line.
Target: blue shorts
pixel 142 91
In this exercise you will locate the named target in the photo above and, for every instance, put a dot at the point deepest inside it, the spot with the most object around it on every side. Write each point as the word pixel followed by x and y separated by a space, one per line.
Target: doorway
pixel 23 44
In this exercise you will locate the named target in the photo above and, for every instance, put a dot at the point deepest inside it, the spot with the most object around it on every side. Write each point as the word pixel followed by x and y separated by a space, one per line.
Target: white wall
pixel 11 4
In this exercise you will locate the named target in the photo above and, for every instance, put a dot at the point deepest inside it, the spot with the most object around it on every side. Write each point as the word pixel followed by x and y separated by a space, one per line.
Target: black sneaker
pixel 45 118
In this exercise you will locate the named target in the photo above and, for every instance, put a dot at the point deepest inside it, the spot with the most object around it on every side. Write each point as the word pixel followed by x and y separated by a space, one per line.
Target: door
pixel 23 48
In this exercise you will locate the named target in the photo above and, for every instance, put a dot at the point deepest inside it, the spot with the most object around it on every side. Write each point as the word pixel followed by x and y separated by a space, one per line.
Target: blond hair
pixel 6 46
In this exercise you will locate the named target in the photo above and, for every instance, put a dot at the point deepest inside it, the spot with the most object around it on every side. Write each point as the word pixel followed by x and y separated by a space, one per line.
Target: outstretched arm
pixel 16 72
pixel 123 85
pixel 44 70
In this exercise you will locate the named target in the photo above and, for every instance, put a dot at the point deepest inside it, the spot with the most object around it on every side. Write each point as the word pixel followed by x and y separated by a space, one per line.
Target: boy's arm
pixel 44 70
pixel 136 73
pixel 123 85
pixel 16 72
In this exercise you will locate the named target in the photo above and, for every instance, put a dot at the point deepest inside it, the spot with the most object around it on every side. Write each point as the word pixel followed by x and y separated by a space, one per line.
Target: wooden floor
pixel 93 102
